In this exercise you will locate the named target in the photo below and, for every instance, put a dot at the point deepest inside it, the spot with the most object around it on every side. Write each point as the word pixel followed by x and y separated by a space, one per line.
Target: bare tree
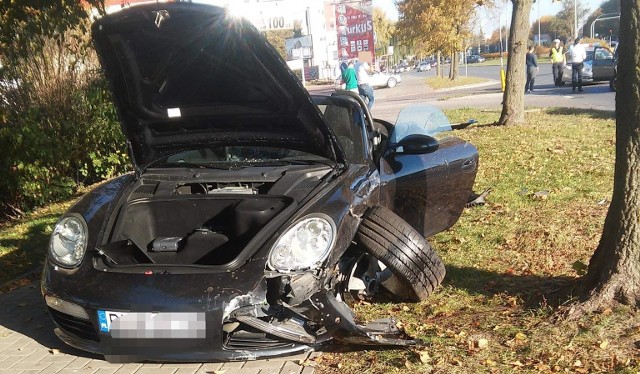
pixel 614 269
pixel 513 97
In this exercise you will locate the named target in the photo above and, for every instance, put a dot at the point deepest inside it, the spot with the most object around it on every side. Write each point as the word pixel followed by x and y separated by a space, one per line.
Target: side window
pixel 603 54
pixel 345 122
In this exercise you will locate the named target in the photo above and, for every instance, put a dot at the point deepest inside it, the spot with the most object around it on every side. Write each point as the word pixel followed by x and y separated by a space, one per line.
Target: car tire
pixel 612 84
pixel 403 250
pixel 391 82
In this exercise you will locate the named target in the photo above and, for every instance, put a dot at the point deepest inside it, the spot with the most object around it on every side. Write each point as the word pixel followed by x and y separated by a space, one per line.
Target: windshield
pixel 239 156
pixel 419 119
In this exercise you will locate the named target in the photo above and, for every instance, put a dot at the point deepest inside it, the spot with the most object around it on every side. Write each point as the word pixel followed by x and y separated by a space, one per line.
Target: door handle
pixel 469 164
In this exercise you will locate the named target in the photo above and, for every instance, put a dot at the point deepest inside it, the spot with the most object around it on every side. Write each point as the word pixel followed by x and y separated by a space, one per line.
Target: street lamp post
pixel 575 18
pixel 539 23
pixel 603 17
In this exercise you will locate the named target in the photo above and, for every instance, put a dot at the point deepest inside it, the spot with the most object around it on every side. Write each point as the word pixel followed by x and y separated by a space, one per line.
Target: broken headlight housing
pixel 68 241
pixel 304 245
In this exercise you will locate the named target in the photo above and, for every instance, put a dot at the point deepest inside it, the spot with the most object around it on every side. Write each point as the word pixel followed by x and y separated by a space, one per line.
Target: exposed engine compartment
pixel 166 219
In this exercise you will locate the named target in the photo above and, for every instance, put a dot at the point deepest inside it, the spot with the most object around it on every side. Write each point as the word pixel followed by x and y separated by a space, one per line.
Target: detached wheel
pixel 408 255
pixel 391 82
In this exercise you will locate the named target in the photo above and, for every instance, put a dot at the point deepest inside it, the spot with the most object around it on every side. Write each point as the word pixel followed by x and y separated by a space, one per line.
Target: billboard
pixel 354 25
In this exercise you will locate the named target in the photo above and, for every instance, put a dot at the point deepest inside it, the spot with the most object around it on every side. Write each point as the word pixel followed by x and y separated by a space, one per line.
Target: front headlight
pixel 68 241
pixel 304 245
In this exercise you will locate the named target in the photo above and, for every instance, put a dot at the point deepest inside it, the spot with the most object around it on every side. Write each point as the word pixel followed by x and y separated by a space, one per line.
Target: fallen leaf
pixel 517 363
pixel 490 362
pixel 541 195
pixel 424 357
pixel 482 343
pixel 54 351
pixel 520 336
pixel 604 344
pixel 406 308
pixel 577 363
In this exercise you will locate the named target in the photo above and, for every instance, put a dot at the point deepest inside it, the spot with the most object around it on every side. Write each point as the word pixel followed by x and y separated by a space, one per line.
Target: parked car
pixel 256 214
pixel 401 67
pixel 472 59
pixel 598 66
pixel 423 66
pixel 378 80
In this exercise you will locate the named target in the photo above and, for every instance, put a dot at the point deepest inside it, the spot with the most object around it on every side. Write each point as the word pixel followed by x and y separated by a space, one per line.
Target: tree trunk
pixel 453 70
pixel 614 269
pixel 438 65
pixel 513 97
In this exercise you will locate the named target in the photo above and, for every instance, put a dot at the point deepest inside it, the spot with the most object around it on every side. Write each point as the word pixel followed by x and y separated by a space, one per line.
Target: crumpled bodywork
pixel 177 261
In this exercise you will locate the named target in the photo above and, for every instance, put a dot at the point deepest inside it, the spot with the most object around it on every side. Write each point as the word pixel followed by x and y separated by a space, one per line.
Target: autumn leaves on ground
pixel 513 262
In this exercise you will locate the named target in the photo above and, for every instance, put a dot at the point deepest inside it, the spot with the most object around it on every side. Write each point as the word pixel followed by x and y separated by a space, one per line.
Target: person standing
pixel 578 55
pixel 349 78
pixel 364 84
pixel 532 69
pixel 556 55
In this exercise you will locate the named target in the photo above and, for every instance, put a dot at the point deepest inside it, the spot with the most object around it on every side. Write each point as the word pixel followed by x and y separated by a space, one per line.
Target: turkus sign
pixel 354 21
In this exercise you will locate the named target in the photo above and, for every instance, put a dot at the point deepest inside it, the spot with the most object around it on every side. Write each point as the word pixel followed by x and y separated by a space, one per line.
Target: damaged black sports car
pixel 256 213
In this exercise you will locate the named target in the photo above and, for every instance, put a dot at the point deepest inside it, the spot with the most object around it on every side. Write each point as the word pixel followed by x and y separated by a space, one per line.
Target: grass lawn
pixel 438 83
pixel 23 243
pixel 510 263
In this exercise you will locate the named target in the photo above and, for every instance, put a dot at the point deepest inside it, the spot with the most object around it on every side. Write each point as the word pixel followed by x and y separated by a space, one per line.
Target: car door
pixel 345 116
pixel 428 188
pixel 603 64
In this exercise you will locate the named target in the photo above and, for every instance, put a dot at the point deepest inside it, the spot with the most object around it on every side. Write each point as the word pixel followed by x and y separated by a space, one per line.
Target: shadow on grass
pixel 533 290
pixel 30 249
pixel 593 113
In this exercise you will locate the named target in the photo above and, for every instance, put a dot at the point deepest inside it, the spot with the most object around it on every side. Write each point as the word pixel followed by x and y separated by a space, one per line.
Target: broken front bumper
pixel 248 318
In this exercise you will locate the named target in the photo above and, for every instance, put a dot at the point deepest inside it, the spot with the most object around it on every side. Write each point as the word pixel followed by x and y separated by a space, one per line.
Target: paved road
pixel 389 101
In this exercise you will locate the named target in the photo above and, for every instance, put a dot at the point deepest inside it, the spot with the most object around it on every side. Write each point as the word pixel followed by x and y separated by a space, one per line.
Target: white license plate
pixel 165 325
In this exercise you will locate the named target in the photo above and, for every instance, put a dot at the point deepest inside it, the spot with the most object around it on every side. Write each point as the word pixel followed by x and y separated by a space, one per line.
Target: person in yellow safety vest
pixel 557 62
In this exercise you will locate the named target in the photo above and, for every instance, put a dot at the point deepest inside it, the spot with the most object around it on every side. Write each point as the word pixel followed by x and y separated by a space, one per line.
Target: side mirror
pixel 416 144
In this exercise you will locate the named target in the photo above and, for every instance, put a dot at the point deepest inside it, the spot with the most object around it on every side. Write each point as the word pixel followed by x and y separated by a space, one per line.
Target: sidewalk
pixel 28 345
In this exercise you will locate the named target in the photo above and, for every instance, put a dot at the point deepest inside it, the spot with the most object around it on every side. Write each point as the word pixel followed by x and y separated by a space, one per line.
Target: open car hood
pixel 189 75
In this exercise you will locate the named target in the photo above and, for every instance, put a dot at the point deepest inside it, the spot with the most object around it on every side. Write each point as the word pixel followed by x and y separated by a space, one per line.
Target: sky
pixel 489 20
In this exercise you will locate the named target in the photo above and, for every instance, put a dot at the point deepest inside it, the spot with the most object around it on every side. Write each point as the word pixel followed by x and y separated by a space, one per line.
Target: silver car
pixel 598 66
pixel 377 80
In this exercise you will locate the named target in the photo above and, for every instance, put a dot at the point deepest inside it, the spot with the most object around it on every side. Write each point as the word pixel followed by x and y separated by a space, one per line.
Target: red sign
pixel 354 22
